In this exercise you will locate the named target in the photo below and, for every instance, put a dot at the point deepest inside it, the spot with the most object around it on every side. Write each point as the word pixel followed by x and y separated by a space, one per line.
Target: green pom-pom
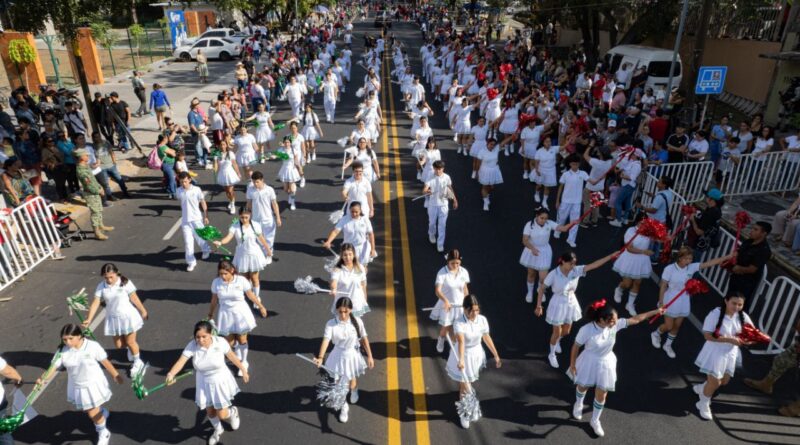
pixel 280 126
pixel 282 155
pixel 209 233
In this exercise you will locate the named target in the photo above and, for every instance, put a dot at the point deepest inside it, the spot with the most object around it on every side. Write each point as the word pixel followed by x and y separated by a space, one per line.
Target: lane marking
pixel 177 224
pixel 417 374
pixel 392 372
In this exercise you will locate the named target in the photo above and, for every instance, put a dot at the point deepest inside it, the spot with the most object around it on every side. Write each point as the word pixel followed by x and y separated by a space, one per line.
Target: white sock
pixel 99 427
pixel 703 398
pixel 598 409
pixel 215 422
pixel 619 291
pixel 136 358
pixel 242 352
pixel 486 200
pixel 257 291
pixel 632 297
pixel 579 396
pixel 552 349
pixel 530 288
pixel 670 339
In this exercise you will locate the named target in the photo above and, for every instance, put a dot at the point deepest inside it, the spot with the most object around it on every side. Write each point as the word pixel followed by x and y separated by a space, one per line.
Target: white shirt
pixel 262 200
pixel 244 142
pixel 546 158
pixel 3 365
pixel 453 284
pixel 530 137
pixel 439 187
pixel 731 326
pixel 473 331
pixel 631 170
pixel 211 360
pixel 761 146
pixel 343 334
pixel 793 143
pixel 677 277
pixel 354 230
pixel 349 281
pixel 538 235
pixel 81 363
pixel 573 182
pixel 190 204
pixel 116 296
pixel 229 294
pixel 698 146
pixel 599 341
pixel 359 191
pixel 564 285
pixel 599 168
pixel 294 91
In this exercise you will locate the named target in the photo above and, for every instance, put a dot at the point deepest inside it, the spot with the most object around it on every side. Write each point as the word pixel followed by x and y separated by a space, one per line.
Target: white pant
pixel 268 229
pixel 296 108
pixel 330 108
pixel 437 215
pixel 189 237
pixel 573 211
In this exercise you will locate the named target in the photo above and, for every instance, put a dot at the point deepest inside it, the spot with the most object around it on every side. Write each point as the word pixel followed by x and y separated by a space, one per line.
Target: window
pixel 201 44
pixel 661 69
pixel 616 60
pixel 216 43
pixel 214 34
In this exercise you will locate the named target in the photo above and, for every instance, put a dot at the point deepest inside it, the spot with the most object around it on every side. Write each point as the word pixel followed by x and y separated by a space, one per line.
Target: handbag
pixel 153 161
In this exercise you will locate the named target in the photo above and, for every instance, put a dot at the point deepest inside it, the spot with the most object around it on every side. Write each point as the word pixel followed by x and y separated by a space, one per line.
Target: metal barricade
pixel 691 179
pixel 28 236
pixel 765 173
pixel 649 191
pixel 777 310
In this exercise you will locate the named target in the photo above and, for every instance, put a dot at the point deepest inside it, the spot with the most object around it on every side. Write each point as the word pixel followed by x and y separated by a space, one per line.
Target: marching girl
pixel 349 279
pixel 87 387
pixel 359 133
pixel 461 123
pixel 357 231
pixel 478 133
pixel 428 156
pixel 468 357
pixel 564 309
pixel 251 246
pixel 673 279
pixel 246 149
pixel 544 165
pixel 420 142
pixel 294 92
pixel 311 132
pixel 493 110
pixel 289 173
pixel 234 320
pixel 264 132
pixel 596 366
pixel 346 331
pixel 299 148
pixel 537 256
pixel 454 104
pixel 419 110
pixel 215 386
pixel 371 118
pixel 125 313
pixel 451 287
pixel 368 159
pixel 633 265
pixel 509 124
pixel 489 173
pixel 330 94
pixel 720 353
pixel 228 174
pixel 530 137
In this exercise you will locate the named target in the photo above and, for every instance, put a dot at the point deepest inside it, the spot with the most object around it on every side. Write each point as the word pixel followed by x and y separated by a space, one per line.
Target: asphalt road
pixel 407 398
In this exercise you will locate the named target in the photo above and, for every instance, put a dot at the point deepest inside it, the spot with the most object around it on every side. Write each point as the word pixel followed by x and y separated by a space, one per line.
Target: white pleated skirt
pixel 249 261
pixel 346 362
pixel 474 362
pixel 716 361
pixel 360 306
pixel 635 266
pixel 547 178
pixel 563 310
pixel 216 390
pixel 227 176
pixel 235 319
pixel 490 175
pixel 92 395
pixel 537 262
pixel 596 371
pixel 288 172
pixel 444 317
pixel 310 133
pixel 125 323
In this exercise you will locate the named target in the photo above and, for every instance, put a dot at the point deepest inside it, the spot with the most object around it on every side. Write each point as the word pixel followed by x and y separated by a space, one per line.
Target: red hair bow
pixel 599 304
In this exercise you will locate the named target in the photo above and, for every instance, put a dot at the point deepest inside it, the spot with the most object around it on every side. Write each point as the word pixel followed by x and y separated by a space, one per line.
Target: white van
pixel 655 60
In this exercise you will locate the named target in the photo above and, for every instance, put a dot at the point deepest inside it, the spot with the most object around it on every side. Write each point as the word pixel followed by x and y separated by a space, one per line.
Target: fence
pixel 763 173
pixel 742 20
pixel 28 236
pixel 691 179
pixel 648 195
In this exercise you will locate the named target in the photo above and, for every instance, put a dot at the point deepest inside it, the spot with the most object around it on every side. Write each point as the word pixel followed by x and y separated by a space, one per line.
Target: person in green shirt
pixel 92 193
pixel 167 156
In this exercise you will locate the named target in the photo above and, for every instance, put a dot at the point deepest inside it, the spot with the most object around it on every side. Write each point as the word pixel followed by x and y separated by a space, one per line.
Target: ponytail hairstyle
pixel 348 303
pixel 204 325
pixel 566 257
pixel 112 268
pixel 599 310
pixel 453 255
pixel 682 252
pixel 347 247
pixel 722 312
pixel 470 302
pixel 72 330
pixel 227 266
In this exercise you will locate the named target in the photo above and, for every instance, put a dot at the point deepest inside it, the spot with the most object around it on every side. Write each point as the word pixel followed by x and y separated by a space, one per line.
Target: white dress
pixel 453 289
pixel 245 153
pixel 226 176
pixel 214 384
pixel 547 166
pixel 122 318
pixel 264 134
pixel 493 110
pixel 431 156
pixel 474 355
pixel 479 142
pixel 234 315
pixel 348 284
pixel 718 359
pixel 634 265
pixel 596 365
pixel 87 386
pixel 510 120
pixel 539 236
pixel 345 359
pixel 489 172
pixel 249 256
pixel 462 116
pixel 309 131
pixel 563 307
pixel 356 232
pixel 677 278
pixel 530 141
pixel 421 140
pixel 366 157
pixel 288 171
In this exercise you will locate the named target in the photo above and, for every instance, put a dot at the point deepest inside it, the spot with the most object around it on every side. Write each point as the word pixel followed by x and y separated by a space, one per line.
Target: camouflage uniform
pixel 784 361
pixel 91 192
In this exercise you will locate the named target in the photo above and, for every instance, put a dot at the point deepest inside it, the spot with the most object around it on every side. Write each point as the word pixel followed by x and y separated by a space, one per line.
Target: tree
pixel 256 11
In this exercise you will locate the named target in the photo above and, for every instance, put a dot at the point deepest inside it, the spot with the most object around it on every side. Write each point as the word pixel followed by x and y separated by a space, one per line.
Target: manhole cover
pixel 761 206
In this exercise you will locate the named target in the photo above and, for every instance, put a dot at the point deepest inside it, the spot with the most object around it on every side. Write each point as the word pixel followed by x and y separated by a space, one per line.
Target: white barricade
pixel 675 210
pixel 28 236
pixel 770 172
pixel 777 312
pixel 691 179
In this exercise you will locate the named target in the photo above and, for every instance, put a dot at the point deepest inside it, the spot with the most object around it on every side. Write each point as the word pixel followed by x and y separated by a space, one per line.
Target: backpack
pixel 668 222
pixel 153 161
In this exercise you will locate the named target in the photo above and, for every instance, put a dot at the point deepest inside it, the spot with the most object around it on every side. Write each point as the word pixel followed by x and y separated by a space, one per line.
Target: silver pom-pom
pixel 332 392
pixel 330 264
pixel 306 285
pixel 335 216
pixel 469 407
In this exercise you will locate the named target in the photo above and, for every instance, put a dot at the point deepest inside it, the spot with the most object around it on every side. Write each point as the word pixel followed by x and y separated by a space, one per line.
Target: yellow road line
pixel 392 377
pixel 417 375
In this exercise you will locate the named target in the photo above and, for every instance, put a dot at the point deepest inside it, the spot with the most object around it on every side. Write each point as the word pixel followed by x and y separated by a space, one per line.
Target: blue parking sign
pixel 710 80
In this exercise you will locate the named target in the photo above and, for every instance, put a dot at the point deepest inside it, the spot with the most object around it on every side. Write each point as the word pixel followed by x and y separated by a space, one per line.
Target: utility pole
pixel 699 48
pixel 681 25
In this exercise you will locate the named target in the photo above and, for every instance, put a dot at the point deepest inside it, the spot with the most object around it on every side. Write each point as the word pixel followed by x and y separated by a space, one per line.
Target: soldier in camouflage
pixel 92 192
pixel 783 362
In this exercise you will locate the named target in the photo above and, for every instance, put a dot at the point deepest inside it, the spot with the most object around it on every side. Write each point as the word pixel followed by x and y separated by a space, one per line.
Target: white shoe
pixel 419 176
pixel 698 388
pixel 440 345
pixel 668 349
pixel 577 410
pixel 572 244
pixel 464 423
pixel 302 182
pixel 458 151
pixel 103 437
pixel 598 429
pixel 615 223
pixel 314 155
pixel 655 338
pixel 234 419
pixel 558 348
pixel 215 436
pixel 137 366
pixel 440 249
pixel 292 207
pixel 553 360
pixel 529 298
pixel 630 308
pixel 354 396
pixel 432 239
pixel 544 204
pixel 191 267
pixel 474 174
pixel 485 206
pixel 465 152
pixel 246 366
pixel 704 410
pixel 525 174
pixel 205 255
pixel 617 296
pixel 344 413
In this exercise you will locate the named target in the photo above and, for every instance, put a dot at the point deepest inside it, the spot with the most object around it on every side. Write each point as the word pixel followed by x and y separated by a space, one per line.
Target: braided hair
pixel 722 312
pixel 348 303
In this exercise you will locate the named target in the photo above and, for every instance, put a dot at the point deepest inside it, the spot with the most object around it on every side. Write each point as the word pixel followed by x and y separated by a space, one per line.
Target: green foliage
pixel 21 52
pixel 66 15
pixel 102 31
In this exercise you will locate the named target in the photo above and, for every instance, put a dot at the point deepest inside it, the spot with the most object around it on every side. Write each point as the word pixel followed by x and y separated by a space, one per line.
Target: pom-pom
pixel 279 126
pixel 335 216
pixel 491 93
pixel 742 219
pixel 342 141
pixel 209 233
pixel 469 407
pixel 597 199
pixel 653 229
pixel 360 92
pixel 665 257
pixel 694 286
pixel 282 155
pixel 750 334
pixel 332 391
pixel 688 210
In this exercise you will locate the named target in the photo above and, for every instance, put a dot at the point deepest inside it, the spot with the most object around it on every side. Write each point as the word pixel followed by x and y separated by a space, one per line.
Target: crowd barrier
pixel 768 173
pixel 691 179
pixel 28 236
pixel 648 193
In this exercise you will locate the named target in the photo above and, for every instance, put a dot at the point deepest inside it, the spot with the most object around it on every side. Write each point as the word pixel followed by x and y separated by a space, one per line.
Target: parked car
pixel 655 60
pixel 213 48
pixel 225 33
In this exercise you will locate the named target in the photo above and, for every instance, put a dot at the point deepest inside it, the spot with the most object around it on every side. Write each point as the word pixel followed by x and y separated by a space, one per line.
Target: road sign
pixel 710 80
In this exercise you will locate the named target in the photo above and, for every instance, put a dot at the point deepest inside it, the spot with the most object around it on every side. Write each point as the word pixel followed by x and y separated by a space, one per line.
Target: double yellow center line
pixel 394 434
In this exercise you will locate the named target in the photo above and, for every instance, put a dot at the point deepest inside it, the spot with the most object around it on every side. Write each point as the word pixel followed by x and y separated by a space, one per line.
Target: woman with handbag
pixel 202 66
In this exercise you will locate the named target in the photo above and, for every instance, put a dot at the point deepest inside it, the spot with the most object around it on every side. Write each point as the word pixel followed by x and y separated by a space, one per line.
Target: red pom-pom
pixel 751 334
pixel 525 119
pixel 665 257
pixel 742 219
pixel 491 93
pixel 597 199
pixel 694 286
pixel 688 210
pixel 653 229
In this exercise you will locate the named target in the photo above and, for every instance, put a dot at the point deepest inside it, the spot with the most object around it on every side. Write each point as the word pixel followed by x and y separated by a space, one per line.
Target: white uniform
pixel 479 142
pixel 571 199
pixel 539 236
pixel 262 200
pixel 564 307
pixel 677 278
pixel 122 318
pixel 596 365
pixel 191 219
pixel 345 359
pixel 634 265
pixel 329 98
pixel 233 315
pixel 288 171
pixel 309 130
pixel 510 120
pixel 294 93
pixel 226 176
pixel 421 137
pixel 356 232
pixel 462 116
pixel 530 140
pixel 245 153
pixel 493 110
pixel 547 166
pixel 718 359
pixel 264 134
pixel 249 256
pixel 359 191
pixel 474 355
pixel 438 206
pixel 348 284
pixel 489 172
pixel 214 384
pixel 366 158
pixel 452 284
pixel 431 156
pixel 87 386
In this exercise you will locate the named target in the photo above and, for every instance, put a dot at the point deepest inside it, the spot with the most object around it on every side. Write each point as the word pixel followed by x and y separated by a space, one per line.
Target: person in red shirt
pixel 597 88
pixel 658 126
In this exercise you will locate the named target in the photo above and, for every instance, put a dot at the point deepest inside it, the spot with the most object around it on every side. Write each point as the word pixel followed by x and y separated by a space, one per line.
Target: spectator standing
pixel 704 228
pixel 658 126
pixel 66 147
pixel 97 170
pixel 139 89
pixel 53 163
pixel 677 144
pixel 698 147
pixel 108 162
pixel 720 133
pixel 195 121
pixel 27 149
pixel 92 194
pixel 659 210
pixel 202 66
pixel 120 115
pixel 751 259
pixel 160 103
pixel 74 119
